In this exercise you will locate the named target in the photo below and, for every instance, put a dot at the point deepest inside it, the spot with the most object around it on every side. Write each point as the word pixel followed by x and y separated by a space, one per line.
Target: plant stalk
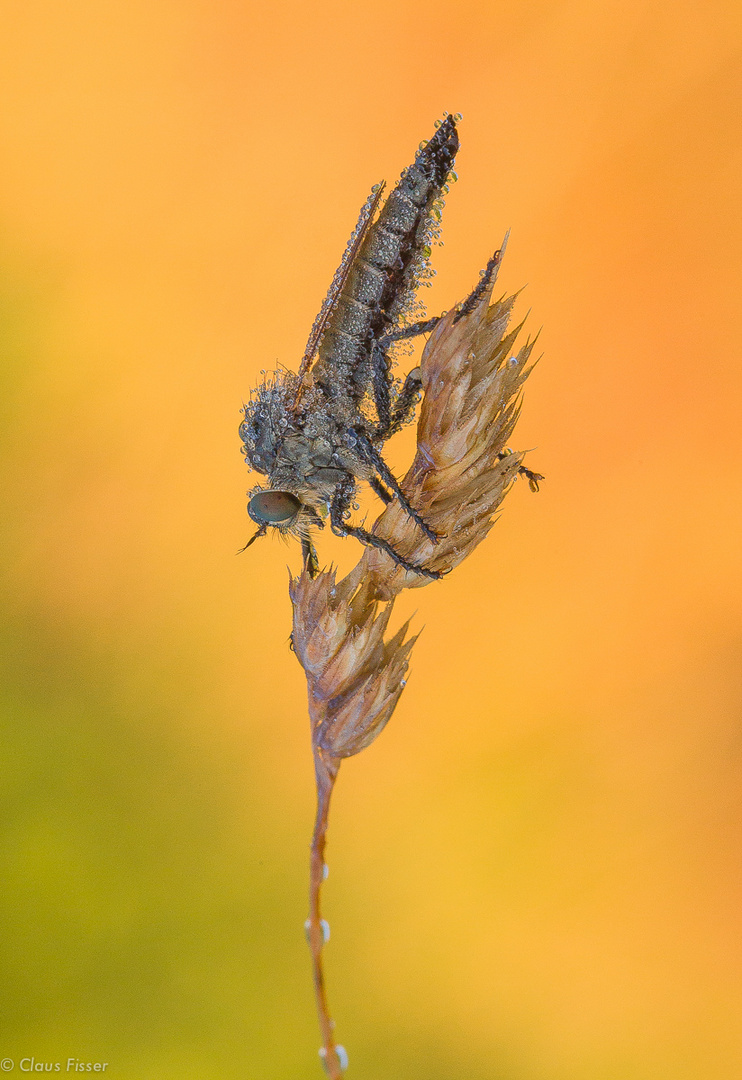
pixel 326 770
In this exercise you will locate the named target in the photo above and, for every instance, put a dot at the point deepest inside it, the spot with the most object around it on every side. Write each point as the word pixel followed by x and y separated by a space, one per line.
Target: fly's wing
pixel 341 276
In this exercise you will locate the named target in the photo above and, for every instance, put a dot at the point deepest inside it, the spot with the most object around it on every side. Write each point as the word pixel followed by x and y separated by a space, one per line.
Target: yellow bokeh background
pixel 535 872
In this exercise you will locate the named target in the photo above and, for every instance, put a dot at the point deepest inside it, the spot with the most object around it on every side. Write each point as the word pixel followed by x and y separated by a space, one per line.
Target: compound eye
pixel 273 507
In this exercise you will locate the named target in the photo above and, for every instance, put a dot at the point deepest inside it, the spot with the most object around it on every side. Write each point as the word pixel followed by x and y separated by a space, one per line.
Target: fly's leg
pixel 534 478
pixel 427 325
pixel 405 402
pixel 478 292
pixel 382 398
pixel 392 418
pixel 409 331
pixel 374 458
pixel 381 491
pixel 309 557
pixel 338 507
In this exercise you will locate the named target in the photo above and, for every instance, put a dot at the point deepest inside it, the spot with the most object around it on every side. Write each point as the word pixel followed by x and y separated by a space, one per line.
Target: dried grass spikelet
pixel 459 477
pixel 355 678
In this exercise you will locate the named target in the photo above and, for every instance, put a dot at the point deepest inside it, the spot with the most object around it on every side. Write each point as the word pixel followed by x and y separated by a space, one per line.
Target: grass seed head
pixel 461 472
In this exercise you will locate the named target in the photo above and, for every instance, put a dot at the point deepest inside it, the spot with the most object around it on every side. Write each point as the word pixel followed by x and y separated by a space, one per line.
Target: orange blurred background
pixel 535 873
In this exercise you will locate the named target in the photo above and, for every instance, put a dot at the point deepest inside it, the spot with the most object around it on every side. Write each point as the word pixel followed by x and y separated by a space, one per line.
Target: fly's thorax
pixel 351 459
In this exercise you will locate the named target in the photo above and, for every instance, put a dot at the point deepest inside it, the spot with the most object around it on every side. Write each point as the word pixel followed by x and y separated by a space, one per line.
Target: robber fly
pixel 316 433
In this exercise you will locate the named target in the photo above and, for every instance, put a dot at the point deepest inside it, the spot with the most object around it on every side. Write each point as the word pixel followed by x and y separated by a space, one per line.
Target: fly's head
pixel 285 511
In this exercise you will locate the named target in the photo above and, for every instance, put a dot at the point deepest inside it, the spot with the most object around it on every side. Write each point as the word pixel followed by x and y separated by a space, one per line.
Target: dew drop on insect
pixel 423 144
pixel 458 117
pixel 325 928
pixel 438 124
pixel 513 361
pixel 356 506
pixel 403 682
pixel 325 867
pixel 307 929
pixel 452 176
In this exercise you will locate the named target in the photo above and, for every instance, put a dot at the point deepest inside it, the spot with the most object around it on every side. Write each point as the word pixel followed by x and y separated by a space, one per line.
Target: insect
pixel 317 433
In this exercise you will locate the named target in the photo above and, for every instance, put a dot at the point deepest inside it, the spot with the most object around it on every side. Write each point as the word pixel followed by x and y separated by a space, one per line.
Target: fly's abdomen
pixel 407 218
pixel 385 273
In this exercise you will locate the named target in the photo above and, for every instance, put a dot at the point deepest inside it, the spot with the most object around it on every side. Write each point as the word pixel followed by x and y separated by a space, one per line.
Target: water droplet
pixel 452 176
pixel 438 124
pixel 445 189
pixel 323 925
pixel 403 682
pixel 423 144
pixel 513 361
pixel 458 117
pixel 342 1055
pixel 325 867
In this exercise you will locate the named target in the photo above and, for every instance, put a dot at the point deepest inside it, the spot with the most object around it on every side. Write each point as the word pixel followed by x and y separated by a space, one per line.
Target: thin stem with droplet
pixel 326 770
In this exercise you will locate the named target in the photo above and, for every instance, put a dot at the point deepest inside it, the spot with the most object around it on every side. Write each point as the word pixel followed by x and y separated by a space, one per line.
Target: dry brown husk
pixel 471 383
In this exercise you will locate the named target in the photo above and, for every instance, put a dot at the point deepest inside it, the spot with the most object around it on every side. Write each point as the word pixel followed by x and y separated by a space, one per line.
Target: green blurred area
pixel 150 915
